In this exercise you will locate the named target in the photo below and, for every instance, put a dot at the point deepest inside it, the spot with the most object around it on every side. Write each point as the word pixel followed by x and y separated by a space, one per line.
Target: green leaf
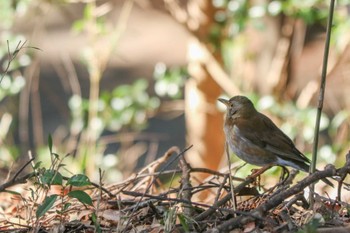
pixel 32 193
pixel 66 206
pixel 47 204
pixel 88 12
pixel 78 25
pixel 37 165
pixel 62 165
pixel 82 196
pixel 50 143
pixel 12 192
pixel 96 223
pixel 183 222
pixel 140 85
pixel 51 177
pixel 57 156
pixel 79 180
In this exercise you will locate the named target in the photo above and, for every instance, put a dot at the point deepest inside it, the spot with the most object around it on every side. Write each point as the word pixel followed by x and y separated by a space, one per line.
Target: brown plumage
pixel 255 139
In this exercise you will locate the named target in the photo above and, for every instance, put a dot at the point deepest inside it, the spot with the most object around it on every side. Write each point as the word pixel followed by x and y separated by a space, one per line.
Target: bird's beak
pixel 226 102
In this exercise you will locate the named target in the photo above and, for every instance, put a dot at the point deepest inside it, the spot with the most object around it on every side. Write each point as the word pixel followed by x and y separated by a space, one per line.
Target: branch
pixel 16 180
pixel 277 200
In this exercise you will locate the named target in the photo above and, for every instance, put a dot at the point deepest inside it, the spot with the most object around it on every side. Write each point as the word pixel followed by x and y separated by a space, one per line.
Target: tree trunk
pixel 203 120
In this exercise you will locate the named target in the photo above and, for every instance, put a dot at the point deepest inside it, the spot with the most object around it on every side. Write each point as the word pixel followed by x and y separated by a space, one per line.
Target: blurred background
pixel 116 83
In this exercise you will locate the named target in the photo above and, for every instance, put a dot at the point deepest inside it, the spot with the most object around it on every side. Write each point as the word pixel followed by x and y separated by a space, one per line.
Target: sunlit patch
pixel 193 99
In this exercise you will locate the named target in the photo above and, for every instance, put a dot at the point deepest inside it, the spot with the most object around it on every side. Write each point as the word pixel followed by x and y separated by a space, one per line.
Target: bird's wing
pixel 263 132
pixel 280 143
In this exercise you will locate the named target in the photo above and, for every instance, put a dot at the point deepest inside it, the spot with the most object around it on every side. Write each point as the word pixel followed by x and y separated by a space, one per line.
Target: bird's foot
pixel 258 172
pixel 284 176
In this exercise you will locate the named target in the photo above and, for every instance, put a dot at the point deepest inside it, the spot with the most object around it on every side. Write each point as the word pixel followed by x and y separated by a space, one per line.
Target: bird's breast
pixel 246 149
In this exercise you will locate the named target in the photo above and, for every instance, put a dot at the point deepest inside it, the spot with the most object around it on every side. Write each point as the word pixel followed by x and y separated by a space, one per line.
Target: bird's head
pixel 238 106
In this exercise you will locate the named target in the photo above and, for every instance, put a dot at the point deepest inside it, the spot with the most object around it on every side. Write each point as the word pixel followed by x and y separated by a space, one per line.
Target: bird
pixel 255 139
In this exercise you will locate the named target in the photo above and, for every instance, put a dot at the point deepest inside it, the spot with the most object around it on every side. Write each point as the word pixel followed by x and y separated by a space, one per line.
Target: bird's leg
pixel 241 166
pixel 234 199
pixel 283 180
pixel 284 175
pixel 257 172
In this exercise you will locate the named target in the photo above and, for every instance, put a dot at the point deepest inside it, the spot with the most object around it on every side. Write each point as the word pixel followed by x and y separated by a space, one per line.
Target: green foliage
pixel 64 209
pixel 234 17
pixel 11 83
pixel 51 177
pixel 13 61
pixel 311 227
pixel 311 11
pixel 47 177
pixel 85 22
pixel 340 28
pixel 55 178
pixel 126 106
pixel 49 142
pixel 8 10
pixel 238 13
pixel 169 219
pixel 129 105
pixel 79 180
pixel 11 86
pixel 169 81
pixel 297 122
pixel 184 222
pixel 96 223
pixel 82 196
pixel 49 201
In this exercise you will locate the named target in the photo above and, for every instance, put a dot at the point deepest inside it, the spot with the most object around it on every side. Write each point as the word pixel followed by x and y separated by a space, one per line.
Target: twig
pixel 284 184
pixel 275 201
pixel 138 176
pixel 232 191
pixel 150 184
pixel 161 198
pixel 168 199
pixel 12 182
pixel 318 175
pixel 22 168
pixel 226 198
pixel 185 190
pixel 212 172
pixel 321 98
pixel 218 194
pixel 98 186
pixel 151 168
pixel 120 186
pixel 287 222
pixel 150 180
pixel 14 179
pixel 296 198
pixel 99 197
pixel 343 171
pixel 12 56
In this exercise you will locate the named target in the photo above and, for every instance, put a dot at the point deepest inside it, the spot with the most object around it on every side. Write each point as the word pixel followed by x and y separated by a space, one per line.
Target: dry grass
pixel 144 203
